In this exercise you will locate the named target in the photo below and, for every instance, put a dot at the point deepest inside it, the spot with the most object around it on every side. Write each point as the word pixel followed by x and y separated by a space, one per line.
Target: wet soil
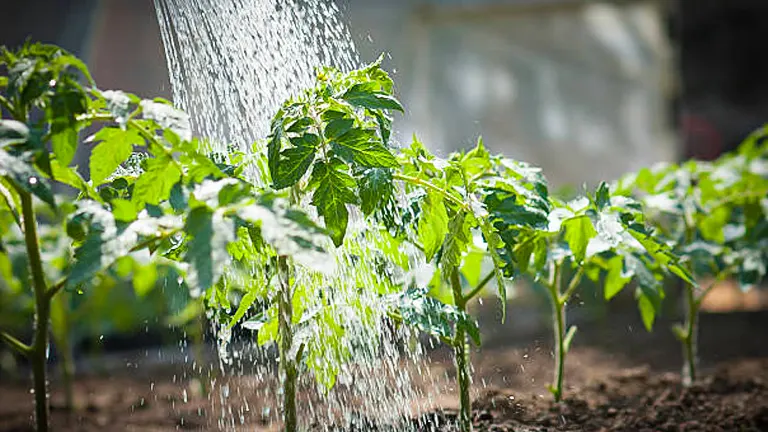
pixel 618 378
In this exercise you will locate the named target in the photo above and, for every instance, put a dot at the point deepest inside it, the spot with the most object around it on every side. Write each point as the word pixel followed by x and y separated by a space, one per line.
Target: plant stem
pixel 461 352
pixel 470 295
pixel 287 364
pixel 19 346
pixel 39 352
pixel 427 185
pixel 558 322
pixel 690 340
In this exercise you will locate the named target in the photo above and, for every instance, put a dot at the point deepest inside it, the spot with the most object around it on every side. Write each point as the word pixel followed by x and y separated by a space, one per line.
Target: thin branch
pixel 425 184
pixel 5 103
pixel 16 344
pixel 575 280
pixel 470 295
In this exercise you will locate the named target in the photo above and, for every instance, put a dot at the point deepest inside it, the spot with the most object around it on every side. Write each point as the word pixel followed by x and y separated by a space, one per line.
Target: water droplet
pixel 33 180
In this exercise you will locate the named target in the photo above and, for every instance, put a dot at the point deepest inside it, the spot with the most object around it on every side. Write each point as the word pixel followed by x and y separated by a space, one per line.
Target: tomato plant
pixel 714 216
pixel 169 206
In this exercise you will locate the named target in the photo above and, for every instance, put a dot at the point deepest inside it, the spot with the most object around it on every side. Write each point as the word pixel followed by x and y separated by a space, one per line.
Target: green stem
pixel 19 346
pixel 690 340
pixel 470 295
pixel 427 185
pixel 39 351
pixel 461 352
pixel 285 329
pixel 558 321
pixel 572 285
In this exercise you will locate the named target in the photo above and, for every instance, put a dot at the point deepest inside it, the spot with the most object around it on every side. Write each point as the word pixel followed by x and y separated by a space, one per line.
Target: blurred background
pixel 587 90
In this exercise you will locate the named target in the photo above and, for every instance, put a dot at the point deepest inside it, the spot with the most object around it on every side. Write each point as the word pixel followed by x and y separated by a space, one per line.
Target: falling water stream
pixel 232 63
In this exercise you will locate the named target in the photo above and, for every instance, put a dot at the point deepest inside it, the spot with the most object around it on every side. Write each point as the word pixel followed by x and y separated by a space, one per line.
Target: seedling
pixel 714 216
pixel 172 207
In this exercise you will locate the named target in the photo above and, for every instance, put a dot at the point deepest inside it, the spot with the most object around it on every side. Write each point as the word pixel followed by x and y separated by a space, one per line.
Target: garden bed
pixel 628 386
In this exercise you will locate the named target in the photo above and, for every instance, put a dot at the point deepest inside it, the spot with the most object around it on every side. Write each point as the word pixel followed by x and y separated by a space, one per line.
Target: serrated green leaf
pixel 64 145
pixel 615 280
pixel 602 196
pixel 12 132
pixel 338 127
pixel 154 185
pixel 124 210
pixel 493 241
pixel 294 163
pixel 433 224
pixel 207 250
pixel 334 189
pixel 115 147
pixel 119 104
pixel 365 95
pixel 647 311
pixel 245 303
pixel 25 177
pixel 578 231
pixel 376 189
pixel 360 146
pixel 267 332
pixel 168 117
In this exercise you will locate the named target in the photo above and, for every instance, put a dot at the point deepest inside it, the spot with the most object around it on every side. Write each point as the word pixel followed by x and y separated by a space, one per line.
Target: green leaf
pixel 433 224
pixel 245 303
pixel 647 311
pixel 290 232
pixel 494 244
pixel 119 104
pixel 115 148
pixel 602 196
pixel 615 280
pixel 207 249
pixel 334 190
pixel 13 132
pixel 26 177
pixel 168 117
pixel 338 127
pixel 64 145
pixel 578 231
pixel 154 185
pixel 431 316
pixel 365 95
pixel 144 279
pixel 360 146
pixel 123 210
pixel 376 189
pixel 457 239
pixel 294 163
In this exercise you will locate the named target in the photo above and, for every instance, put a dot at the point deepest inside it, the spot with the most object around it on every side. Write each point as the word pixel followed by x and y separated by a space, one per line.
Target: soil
pixel 618 378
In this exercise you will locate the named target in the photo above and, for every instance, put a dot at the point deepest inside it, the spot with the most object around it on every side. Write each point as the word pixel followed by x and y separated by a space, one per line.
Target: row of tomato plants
pixel 161 203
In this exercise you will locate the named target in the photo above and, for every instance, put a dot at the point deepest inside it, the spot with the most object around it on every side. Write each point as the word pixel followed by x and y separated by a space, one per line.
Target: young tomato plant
pixel 171 207
pixel 329 146
pixel 600 233
pixel 714 216
pixel 450 223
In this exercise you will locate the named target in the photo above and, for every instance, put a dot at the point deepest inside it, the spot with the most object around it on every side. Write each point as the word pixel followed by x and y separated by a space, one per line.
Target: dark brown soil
pixel 620 379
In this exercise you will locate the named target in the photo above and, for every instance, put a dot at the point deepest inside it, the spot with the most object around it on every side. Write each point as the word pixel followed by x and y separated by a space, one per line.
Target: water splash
pixel 232 63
